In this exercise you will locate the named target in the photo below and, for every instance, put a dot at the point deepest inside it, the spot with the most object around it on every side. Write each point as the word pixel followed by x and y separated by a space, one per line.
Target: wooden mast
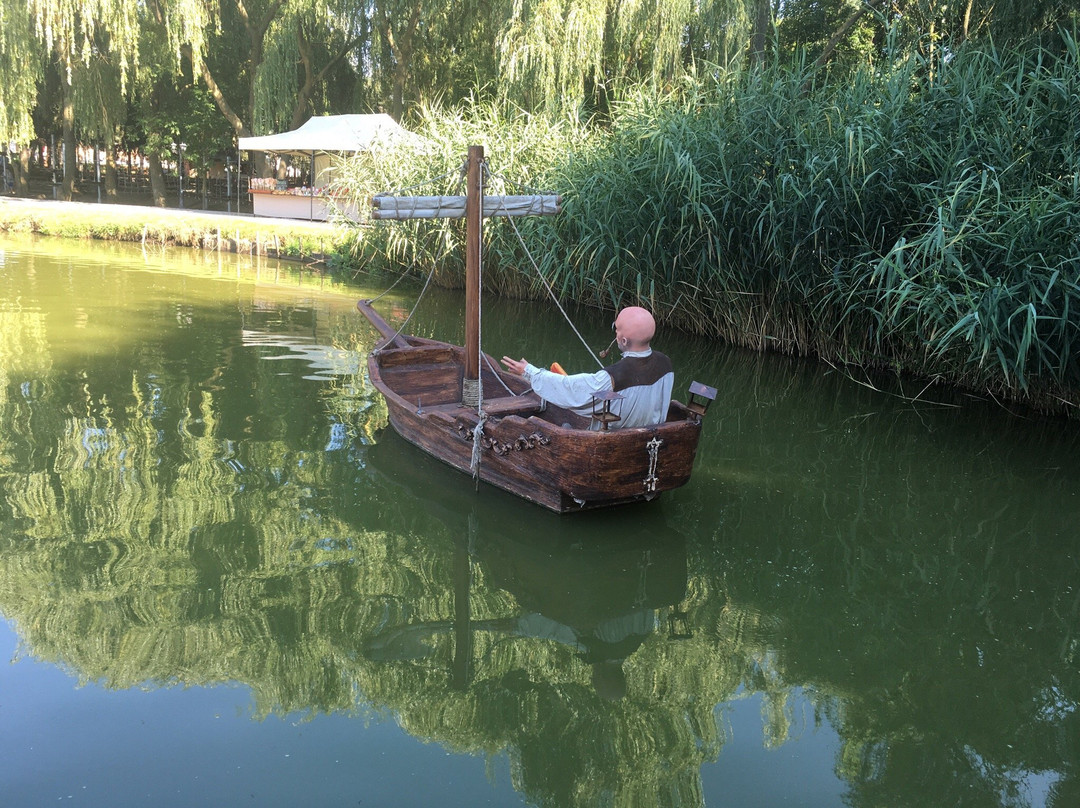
pixel 473 213
pixel 474 206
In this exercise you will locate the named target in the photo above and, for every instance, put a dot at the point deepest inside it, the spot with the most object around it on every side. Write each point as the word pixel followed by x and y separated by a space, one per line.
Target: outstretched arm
pixel 515 366
pixel 574 392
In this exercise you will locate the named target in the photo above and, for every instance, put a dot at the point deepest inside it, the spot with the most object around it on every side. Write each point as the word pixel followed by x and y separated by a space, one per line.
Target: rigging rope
pixel 540 274
pixel 415 306
pixel 443 250
pixel 498 378
pixel 477 437
pixel 551 291
pixel 472 390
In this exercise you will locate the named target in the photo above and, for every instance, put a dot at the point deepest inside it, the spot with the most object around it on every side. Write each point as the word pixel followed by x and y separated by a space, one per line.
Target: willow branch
pixel 841 32
pixel 215 92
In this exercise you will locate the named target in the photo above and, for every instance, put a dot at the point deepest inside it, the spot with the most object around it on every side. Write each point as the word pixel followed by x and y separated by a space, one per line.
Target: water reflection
pixel 196 486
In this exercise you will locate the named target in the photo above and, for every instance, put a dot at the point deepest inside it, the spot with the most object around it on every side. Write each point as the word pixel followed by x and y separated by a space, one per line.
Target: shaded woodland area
pixel 128 76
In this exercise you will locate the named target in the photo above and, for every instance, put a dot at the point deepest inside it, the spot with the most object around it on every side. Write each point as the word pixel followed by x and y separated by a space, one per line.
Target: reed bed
pixel 922 218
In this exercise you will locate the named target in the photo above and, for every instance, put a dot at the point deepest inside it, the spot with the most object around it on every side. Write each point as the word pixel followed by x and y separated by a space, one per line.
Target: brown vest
pixel 639 371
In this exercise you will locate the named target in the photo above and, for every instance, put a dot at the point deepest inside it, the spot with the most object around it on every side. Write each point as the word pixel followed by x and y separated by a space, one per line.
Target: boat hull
pixel 542 454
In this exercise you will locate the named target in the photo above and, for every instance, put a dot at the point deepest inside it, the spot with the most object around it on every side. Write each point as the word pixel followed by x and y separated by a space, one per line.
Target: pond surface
pixel 223 581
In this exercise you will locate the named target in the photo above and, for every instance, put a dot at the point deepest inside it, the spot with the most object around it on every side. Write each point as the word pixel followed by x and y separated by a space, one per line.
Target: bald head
pixel 634 328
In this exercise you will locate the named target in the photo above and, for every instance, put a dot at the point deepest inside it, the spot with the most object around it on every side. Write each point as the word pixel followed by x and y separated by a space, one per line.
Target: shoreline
pixel 295 239
pixel 320 242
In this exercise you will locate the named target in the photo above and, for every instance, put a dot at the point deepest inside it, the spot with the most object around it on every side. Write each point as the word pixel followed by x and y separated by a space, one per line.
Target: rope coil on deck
pixel 471 393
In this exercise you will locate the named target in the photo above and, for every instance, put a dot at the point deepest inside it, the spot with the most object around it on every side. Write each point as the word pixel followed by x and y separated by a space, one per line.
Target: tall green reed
pixel 915 219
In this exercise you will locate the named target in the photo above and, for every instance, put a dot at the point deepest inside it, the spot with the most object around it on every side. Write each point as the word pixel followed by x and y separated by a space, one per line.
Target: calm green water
pixel 224 582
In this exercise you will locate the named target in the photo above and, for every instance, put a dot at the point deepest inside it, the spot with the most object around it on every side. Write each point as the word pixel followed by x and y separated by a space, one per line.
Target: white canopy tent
pixel 328 133
pixel 320 138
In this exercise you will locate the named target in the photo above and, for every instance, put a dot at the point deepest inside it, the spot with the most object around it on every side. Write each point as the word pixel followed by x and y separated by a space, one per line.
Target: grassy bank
pixel 172 227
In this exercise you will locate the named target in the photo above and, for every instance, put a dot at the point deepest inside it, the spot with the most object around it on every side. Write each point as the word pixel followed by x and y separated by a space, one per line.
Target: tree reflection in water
pixel 174 508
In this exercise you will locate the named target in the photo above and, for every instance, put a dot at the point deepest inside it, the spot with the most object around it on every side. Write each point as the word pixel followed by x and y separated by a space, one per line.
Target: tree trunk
pixel 397 93
pixel 70 164
pixel 759 36
pixel 157 180
pixel 402 45
pixel 22 185
pixel 110 172
pixel 840 33
pixel 311 80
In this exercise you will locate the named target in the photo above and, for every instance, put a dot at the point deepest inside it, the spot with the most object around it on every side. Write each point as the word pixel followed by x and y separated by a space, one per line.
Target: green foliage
pixel 99 100
pixel 947 24
pixel 911 220
pixel 276 80
pixel 807 25
pixel 557 57
pixel 981 281
pixel 21 64
pixel 202 129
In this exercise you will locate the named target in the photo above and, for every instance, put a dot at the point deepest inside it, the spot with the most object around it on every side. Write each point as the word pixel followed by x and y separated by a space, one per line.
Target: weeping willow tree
pixel 100 108
pixel 289 51
pixel 20 63
pixel 557 55
pixel 307 62
pixel 94 49
pixel 73 34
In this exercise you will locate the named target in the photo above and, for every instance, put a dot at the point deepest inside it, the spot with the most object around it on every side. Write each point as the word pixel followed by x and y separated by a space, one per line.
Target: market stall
pixel 320 140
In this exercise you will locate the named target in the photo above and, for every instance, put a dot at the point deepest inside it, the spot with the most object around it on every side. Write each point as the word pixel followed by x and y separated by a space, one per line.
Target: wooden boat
pixel 506 435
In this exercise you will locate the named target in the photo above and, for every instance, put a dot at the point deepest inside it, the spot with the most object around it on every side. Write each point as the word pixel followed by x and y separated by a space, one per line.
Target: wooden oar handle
pixel 389 334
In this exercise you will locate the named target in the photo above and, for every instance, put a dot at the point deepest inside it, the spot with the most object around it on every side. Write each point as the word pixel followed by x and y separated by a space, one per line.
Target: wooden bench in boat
pixel 418 355
pixel 523 405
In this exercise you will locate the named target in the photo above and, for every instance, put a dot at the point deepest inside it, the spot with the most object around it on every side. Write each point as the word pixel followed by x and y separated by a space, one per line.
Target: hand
pixel 515 366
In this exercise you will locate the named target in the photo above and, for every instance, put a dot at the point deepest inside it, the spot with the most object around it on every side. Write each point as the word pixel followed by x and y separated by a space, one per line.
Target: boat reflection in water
pixel 550 619
pixel 601 604
pixel 599 596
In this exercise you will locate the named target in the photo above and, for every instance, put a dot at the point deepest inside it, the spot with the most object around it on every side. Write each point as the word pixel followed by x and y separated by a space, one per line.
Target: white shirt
pixel 642 405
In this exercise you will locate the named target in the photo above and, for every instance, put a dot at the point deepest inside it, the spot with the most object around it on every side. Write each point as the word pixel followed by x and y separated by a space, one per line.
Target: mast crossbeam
pixel 453 207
